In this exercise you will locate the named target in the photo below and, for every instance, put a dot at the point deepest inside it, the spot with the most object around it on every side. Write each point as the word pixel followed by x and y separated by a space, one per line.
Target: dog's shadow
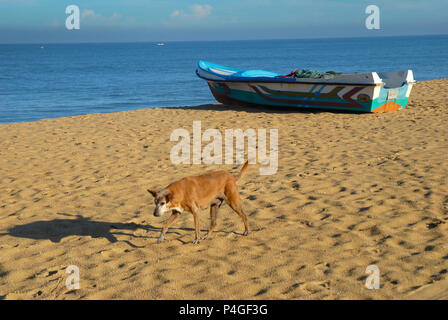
pixel 57 229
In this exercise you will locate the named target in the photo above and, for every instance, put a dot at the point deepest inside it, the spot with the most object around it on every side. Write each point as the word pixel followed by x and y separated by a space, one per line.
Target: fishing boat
pixel 363 92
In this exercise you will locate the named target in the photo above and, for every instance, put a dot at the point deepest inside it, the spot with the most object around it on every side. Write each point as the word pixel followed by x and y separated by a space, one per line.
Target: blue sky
pixel 43 21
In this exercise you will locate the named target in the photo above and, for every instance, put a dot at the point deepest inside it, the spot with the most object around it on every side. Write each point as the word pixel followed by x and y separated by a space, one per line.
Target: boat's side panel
pixel 321 96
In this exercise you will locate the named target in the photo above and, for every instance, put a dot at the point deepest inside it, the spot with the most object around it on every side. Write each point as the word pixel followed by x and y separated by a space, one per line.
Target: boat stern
pixel 394 95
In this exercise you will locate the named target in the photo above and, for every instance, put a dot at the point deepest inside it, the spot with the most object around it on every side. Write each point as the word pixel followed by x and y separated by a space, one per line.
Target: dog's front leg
pixel 196 225
pixel 170 220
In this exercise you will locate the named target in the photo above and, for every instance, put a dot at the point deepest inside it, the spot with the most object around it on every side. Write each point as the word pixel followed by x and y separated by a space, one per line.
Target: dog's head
pixel 163 200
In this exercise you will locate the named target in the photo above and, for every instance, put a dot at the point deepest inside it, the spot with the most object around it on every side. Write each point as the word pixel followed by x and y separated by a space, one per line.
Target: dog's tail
pixel 243 170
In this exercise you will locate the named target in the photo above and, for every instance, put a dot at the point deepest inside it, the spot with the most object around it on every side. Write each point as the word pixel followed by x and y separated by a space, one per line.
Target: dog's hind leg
pixel 239 210
pixel 170 220
pixel 234 201
pixel 213 213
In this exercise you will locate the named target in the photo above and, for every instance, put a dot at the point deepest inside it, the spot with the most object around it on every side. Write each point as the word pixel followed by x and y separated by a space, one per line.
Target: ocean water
pixel 72 79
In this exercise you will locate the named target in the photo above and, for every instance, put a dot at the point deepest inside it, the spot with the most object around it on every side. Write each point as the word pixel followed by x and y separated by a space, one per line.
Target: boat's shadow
pixel 263 109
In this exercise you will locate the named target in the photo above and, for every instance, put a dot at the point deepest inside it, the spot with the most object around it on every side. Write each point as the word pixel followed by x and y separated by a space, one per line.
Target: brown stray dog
pixel 195 193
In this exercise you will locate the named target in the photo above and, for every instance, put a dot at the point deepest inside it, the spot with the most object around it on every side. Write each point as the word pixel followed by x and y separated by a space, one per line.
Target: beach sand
pixel 352 190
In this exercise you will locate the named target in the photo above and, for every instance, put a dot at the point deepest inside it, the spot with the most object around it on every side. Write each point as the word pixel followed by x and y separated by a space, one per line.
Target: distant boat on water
pixel 41 47
pixel 160 44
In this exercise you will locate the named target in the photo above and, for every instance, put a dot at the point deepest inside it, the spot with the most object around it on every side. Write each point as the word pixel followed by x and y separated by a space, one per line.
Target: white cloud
pixel 196 11
pixel 90 16
pixel 176 13
pixel 87 13
pixel 201 11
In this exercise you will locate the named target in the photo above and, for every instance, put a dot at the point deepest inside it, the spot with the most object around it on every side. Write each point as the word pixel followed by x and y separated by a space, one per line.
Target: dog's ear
pixel 152 192
pixel 169 197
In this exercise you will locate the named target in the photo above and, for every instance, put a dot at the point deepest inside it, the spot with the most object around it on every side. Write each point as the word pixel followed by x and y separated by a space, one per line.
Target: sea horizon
pixel 231 40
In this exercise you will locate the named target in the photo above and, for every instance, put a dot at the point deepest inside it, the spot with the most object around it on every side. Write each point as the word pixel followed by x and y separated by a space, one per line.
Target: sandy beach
pixel 351 190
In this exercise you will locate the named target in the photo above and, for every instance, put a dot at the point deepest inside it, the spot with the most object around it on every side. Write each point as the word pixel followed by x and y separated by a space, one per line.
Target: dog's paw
pixel 204 237
pixel 160 239
pixel 246 233
pixel 196 241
